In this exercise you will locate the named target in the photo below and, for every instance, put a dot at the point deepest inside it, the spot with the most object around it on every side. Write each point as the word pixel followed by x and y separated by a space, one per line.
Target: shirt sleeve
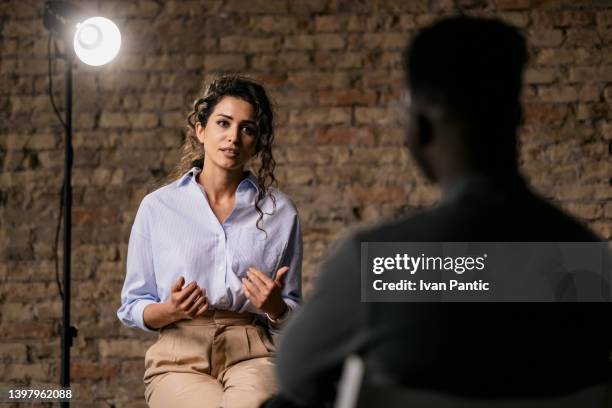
pixel 292 288
pixel 139 287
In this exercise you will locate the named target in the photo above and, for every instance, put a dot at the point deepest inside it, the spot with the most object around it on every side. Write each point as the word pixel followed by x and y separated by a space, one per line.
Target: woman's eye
pixel 248 130
pixel 223 123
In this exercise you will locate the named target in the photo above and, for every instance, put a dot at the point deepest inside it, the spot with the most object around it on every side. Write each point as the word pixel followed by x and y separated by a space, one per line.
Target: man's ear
pixel 424 130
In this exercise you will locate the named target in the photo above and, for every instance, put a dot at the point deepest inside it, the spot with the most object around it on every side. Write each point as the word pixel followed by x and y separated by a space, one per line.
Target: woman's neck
pixel 220 184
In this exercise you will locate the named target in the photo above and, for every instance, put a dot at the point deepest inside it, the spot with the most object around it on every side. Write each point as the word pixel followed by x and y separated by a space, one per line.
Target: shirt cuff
pixel 280 319
pixel 138 314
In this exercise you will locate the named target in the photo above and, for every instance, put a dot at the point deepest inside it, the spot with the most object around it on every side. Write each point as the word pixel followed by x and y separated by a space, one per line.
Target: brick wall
pixel 334 70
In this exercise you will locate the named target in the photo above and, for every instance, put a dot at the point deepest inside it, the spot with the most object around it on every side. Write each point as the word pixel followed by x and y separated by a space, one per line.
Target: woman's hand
pixel 265 293
pixel 183 303
pixel 188 302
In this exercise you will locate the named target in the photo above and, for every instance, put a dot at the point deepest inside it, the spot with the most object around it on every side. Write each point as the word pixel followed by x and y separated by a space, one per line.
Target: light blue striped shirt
pixel 176 233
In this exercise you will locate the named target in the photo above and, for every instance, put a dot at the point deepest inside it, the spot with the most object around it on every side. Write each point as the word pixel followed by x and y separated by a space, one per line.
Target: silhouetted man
pixel 464 78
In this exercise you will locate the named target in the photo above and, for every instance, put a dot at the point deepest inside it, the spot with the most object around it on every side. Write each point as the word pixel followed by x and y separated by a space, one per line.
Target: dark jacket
pixel 471 349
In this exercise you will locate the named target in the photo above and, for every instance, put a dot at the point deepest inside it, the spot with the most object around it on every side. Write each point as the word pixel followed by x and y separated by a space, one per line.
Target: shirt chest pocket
pixel 253 249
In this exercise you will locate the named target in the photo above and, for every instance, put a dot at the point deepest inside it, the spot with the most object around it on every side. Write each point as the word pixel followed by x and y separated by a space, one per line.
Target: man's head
pixel 464 79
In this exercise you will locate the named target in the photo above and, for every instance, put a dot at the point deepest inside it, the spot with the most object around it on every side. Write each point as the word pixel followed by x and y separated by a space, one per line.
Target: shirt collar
pixel 250 181
pixel 477 183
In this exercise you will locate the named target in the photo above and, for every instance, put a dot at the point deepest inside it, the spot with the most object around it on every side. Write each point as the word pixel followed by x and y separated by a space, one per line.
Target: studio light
pixel 95 41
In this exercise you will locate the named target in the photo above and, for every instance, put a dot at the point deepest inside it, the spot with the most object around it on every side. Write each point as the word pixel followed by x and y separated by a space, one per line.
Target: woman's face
pixel 230 134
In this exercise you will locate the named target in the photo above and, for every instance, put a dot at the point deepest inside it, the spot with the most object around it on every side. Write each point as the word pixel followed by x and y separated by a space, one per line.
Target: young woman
pixel 214 259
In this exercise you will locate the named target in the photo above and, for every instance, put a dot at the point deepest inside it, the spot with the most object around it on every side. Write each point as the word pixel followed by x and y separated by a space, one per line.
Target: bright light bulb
pixel 97 41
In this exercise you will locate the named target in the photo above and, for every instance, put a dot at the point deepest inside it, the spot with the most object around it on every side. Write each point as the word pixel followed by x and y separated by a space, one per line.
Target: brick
pixel 249 44
pixel 345 136
pixel 224 62
pixel 144 120
pixel 48 310
pixel 299 42
pixel 512 4
pixel 357 23
pixel 33 371
pixel 329 41
pixel 584 211
pixel 330 23
pixel 384 41
pixel 320 116
pixel 400 6
pixel 608 210
pixel 540 76
pixel 273 24
pixel 308 7
pixel 121 348
pixel 173 119
pixel 590 74
pixel 377 116
pixel 559 56
pixel 545 38
pixel 563 18
pixel 604 18
pixel 13 352
pixel 375 194
pixel 25 330
pixel 281 61
pixel 583 37
pixel 515 18
pixel 559 94
pixel 94 371
pixel 347 97
pixel 16 312
pixel 339 60
pixel 103 215
pixel 300 175
pixel 27 291
pixel 379 78
pixel 318 80
pixel 114 120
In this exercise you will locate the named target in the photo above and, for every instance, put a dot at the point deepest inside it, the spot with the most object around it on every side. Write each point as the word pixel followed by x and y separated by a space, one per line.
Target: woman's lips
pixel 230 152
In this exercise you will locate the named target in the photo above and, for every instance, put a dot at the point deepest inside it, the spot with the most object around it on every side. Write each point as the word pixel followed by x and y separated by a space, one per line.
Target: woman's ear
pixel 199 131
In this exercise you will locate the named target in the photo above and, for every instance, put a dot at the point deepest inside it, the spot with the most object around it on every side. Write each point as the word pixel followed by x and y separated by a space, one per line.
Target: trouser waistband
pixel 223 317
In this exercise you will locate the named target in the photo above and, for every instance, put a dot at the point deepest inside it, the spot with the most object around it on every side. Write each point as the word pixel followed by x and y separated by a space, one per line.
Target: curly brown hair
pixel 250 91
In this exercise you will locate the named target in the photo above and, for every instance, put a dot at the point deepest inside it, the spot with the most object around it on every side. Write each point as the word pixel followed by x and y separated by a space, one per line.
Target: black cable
pixel 57 231
pixel 57 113
pixel 61 206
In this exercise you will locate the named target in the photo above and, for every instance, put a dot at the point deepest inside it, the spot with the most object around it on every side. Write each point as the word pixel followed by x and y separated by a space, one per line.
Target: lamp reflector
pixel 97 41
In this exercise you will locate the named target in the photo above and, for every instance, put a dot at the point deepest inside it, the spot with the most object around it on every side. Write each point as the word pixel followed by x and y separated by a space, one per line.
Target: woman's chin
pixel 230 164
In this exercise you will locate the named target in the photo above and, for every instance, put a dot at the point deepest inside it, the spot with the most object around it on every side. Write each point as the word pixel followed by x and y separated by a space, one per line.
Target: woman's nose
pixel 233 135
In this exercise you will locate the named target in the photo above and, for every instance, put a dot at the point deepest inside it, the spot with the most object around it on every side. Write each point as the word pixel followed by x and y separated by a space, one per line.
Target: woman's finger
pixel 255 277
pixel 262 276
pixel 178 285
pixel 199 301
pixel 203 308
pixel 191 299
pixel 186 292
pixel 252 293
pixel 253 290
pixel 280 276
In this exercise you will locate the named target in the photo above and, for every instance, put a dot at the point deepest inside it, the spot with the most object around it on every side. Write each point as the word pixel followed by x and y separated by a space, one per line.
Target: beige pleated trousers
pixel 222 359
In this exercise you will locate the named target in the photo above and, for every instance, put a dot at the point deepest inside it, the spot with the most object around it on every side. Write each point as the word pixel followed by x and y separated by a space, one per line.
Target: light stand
pixel 95 41
pixel 68 331
pixel 56 19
